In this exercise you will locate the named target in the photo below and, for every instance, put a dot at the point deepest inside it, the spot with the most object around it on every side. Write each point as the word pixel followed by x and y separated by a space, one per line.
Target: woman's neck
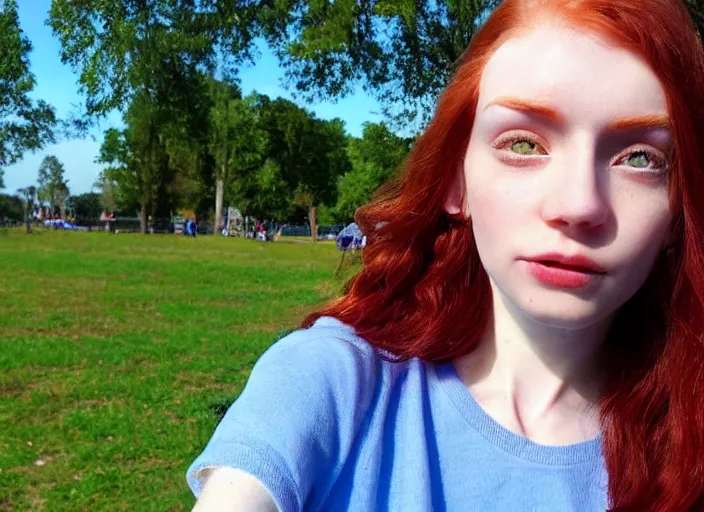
pixel 540 381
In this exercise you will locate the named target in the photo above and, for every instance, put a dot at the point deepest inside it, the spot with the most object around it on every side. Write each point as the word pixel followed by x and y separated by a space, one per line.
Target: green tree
pixel 237 141
pixel 29 199
pixel 107 189
pixel 86 206
pixel 53 188
pixel 62 195
pixel 192 179
pixel 401 51
pixel 11 208
pixel 310 153
pixel 25 125
pixel 122 48
pixel 147 60
pixel 325 148
pixel 137 159
pixel 263 193
pixel 375 158
pixel 118 182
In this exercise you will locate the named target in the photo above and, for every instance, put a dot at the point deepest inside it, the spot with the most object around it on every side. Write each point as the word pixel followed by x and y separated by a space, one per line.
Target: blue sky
pixel 56 83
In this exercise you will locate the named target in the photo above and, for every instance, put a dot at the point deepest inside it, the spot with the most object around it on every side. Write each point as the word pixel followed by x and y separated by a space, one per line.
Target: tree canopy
pixel 307 155
pixel 122 47
pixel 53 188
pixel 138 161
pixel 236 139
pixel 86 206
pixel 401 51
pixel 25 124
pixel 375 158
pixel 11 208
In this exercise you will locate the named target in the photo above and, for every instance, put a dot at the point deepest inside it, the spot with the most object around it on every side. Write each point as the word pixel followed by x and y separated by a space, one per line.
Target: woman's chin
pixel 570 313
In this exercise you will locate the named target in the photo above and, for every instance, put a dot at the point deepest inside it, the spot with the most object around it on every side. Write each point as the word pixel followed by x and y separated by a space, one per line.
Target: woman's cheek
pixel 491 219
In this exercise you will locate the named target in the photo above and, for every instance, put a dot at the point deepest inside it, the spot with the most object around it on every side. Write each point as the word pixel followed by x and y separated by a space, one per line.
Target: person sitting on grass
pixel 525 333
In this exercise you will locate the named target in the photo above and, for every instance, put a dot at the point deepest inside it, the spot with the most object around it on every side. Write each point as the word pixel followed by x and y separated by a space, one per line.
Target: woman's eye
pixel 643 160
pixel 525 147
pixel 639 160
pixel 520 149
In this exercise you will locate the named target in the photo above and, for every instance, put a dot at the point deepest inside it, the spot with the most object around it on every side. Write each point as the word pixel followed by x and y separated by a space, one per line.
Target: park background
pixel 121 352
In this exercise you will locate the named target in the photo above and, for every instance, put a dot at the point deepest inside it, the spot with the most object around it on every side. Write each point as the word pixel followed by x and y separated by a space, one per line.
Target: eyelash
pixel 657 162
pixel 504 141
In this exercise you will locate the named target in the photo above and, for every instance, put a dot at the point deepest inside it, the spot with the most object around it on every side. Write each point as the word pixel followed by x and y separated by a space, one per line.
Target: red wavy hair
pixel 422 291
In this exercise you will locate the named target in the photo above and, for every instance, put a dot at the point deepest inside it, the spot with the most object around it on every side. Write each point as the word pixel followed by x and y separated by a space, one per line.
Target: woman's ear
pixel 454 202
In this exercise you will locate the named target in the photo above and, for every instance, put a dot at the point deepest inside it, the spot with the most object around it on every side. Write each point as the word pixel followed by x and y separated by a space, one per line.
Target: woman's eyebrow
pixel 647 121
pixel 552 115
pixel 531 107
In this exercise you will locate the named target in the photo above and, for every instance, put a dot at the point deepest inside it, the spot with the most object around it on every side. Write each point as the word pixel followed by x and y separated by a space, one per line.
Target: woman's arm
pixel 294 423
pixel 228 490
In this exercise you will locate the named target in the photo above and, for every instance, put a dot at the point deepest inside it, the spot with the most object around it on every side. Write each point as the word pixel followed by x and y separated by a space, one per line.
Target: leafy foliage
pixel 28 196
pixel 11 208
pixel 86 206
pixel 53 188
pixel 310 152
pixel 138 160
pixel 375 158
pixel 236 139
pixel 25 125
pixel 402 51
pixel 269 196
pixel 120 48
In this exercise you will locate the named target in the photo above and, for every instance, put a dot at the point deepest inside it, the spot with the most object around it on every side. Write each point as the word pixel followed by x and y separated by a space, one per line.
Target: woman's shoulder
pixel 297 417
pixel 328 354
pixel 328 339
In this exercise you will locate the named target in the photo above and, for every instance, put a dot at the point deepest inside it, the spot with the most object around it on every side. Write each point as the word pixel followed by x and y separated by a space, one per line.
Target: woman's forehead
pixel 577 73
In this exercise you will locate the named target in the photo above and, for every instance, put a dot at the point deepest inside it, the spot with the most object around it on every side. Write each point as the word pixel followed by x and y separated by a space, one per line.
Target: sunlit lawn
pixel 119 353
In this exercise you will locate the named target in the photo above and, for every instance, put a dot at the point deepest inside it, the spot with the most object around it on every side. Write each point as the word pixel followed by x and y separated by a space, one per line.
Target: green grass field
pixel 119 354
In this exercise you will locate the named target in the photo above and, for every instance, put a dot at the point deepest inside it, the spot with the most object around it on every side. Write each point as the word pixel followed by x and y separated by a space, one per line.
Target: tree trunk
pixel 313 224
pixel 219 187
pixel 143 219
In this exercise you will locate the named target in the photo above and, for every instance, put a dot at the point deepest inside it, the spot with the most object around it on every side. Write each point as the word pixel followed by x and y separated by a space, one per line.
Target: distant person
pixel 260 232
pixel 191 228
pixel 525 333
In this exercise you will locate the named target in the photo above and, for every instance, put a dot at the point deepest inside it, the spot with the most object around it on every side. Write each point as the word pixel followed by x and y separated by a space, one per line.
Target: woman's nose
pixel 575 196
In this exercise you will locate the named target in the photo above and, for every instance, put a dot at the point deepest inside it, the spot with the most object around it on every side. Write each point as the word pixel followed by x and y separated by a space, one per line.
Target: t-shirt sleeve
pixel 294 423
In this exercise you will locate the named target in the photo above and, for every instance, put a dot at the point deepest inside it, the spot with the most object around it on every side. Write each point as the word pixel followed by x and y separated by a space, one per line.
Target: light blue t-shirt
pixel 326 423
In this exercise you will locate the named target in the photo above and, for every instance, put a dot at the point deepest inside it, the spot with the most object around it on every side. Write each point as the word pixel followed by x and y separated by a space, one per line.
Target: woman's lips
pixel 561 271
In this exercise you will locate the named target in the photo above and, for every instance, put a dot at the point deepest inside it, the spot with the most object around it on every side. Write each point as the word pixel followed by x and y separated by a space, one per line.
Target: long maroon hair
pixel 422 291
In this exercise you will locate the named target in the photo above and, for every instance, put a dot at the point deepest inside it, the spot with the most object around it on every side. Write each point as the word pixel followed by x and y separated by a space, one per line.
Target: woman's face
pixel 566 175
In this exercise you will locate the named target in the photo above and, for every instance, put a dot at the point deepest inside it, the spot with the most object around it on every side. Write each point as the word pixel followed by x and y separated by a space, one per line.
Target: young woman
pixel 527 331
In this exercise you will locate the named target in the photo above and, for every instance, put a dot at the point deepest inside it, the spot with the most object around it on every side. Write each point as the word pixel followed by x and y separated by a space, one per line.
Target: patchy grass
pixel 119 354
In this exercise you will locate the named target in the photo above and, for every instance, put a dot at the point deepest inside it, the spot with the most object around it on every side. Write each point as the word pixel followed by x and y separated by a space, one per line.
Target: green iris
pixel 639 160
pixel 524 147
